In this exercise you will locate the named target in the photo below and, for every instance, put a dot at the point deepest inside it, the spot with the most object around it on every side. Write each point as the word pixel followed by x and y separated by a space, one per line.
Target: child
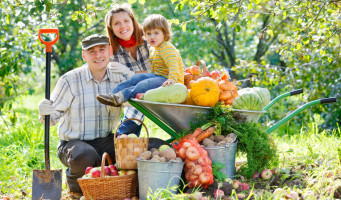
pixel 166 64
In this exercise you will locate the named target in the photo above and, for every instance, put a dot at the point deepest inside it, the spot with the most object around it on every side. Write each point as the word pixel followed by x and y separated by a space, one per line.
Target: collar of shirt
pixel 89 74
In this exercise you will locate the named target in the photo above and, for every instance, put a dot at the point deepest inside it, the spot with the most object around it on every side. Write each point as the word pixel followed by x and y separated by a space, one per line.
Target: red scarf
pixel 129 43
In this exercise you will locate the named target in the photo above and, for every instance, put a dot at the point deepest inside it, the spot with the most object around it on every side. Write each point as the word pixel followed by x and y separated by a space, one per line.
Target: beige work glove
pixel 118 69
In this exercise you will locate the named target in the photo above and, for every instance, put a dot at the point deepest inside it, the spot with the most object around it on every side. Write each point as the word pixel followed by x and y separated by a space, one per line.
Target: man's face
pixel 97 57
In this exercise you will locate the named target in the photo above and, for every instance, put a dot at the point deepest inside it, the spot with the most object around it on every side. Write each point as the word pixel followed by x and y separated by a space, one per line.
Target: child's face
pixel 155 37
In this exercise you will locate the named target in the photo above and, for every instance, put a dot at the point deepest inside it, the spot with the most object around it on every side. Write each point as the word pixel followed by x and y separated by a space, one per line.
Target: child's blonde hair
pixel 156 21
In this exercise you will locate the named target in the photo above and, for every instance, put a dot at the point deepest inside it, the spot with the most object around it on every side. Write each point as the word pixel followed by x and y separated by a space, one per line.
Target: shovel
pixel 47 184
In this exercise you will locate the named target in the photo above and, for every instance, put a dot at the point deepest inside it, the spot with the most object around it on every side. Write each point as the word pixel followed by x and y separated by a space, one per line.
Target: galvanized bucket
pixel 226 155
pixel 154 175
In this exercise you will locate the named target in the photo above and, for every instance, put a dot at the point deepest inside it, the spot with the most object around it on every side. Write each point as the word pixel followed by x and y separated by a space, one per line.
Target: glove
pixel 45 107
pixel 115 67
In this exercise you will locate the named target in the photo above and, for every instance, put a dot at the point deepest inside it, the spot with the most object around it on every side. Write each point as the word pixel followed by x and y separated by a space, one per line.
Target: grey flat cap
pixel 94 40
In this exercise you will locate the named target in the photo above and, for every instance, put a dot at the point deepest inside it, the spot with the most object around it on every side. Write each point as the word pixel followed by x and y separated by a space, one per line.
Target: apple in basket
pixel 95 173
pixel 88 169
pixel 122 172
pixel 128 172
pixel 132 135
pixel 112 168
pixel 122 136
pixel 107 171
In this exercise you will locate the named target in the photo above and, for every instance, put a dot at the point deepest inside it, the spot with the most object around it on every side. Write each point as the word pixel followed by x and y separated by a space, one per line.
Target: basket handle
pixel 105 157
pixel 204 68
pixel 138 121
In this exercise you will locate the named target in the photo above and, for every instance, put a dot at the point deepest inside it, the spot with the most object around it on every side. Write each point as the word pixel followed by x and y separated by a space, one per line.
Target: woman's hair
pixel 157 21
pixel 138 32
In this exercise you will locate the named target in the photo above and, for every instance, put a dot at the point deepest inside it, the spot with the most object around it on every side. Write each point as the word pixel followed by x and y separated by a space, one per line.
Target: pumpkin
pixel 189 100
pixel 205 92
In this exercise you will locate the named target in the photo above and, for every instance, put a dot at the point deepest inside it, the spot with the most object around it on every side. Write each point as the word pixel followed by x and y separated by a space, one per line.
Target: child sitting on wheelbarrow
pixel 166 64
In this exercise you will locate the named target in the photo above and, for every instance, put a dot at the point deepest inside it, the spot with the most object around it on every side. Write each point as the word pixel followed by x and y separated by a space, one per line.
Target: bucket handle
pixel 135 120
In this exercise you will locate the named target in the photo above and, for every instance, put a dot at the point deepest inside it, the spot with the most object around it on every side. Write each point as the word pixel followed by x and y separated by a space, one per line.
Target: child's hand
pixel 168 82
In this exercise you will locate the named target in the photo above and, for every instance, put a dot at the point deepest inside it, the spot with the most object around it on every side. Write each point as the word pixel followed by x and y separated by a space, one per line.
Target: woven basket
pixel 128 149
pixel 109 187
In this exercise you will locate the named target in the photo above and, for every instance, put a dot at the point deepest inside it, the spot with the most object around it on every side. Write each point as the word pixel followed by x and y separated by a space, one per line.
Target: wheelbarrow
pixel 173 118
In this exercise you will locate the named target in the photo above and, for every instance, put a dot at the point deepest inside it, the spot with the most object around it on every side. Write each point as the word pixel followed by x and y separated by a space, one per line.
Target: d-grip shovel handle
pixel 300 109
pixel 47 90
pixel 51 43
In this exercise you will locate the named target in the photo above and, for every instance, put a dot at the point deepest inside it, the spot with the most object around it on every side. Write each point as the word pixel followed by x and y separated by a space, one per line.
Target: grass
pixel 22 149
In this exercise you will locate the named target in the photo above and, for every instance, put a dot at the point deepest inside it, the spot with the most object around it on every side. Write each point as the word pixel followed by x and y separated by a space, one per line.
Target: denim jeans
pixel 129 127
pixel 139 83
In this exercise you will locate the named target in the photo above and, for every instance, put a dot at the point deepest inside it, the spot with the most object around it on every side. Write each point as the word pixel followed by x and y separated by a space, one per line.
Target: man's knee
pixel 82 156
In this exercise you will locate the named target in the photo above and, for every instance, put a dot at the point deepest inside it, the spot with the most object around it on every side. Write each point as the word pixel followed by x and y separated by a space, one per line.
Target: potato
pixel 155 153
pixel 141 158
pixel 228 140
pixel 232 135
pixel 147 155
pixel 168 153
pixel 154 149
pixel 154 160
pixel 211 137
pixel 207 142
pixel 221 143
pixel 156 157
pixel 219 138
pixel 162 159
pixel 178 159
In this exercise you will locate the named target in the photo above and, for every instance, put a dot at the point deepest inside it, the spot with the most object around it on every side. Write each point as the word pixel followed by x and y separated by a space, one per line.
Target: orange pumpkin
pixel 205 92
pixel 189 100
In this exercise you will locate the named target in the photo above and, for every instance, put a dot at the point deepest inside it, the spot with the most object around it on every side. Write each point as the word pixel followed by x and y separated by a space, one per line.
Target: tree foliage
pixel 282 45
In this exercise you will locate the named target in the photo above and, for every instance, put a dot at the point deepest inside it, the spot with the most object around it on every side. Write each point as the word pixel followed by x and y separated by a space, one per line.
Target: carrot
pixel 205 134
pixel 197 132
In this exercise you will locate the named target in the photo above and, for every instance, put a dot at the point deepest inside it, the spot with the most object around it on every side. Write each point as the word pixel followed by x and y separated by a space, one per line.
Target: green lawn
pixel 23 150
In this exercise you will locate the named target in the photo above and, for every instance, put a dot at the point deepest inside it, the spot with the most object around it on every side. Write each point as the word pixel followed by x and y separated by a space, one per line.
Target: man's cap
pixel 94 40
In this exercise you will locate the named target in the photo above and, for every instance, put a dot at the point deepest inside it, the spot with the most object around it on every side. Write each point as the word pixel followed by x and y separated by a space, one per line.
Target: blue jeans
pixel 139 83
pixel 129 127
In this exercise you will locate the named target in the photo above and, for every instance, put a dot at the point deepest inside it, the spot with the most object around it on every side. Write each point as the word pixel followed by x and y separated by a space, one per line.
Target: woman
pixel 130 49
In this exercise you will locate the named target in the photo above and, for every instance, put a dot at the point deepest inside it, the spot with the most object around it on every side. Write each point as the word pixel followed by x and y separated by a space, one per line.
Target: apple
pixel 88 169
pixel 236 184
pixel 228 180
pixel 122 172
pixel 87 176
pixel 195 70
pixel 95 173
pixel 132 135
pixel 188 70
pixel 208 74
pixel 218 194
pixel 162 147
pixel 107 171
pixel 112 168
pixel 122 136
pixel 256 176
pixel 139 95
pixel 114 173
pixel 266 174
pixel 215 74
pixel 279 192
pixel 244 186
pixel 292 195
pixel 128 172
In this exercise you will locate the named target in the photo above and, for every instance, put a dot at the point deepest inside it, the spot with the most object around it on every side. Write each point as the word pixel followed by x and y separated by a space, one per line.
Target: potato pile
pixel 164 154
pixel 219 140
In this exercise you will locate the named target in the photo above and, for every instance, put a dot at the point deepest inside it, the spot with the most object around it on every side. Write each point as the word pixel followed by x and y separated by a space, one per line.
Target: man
pixel 85 125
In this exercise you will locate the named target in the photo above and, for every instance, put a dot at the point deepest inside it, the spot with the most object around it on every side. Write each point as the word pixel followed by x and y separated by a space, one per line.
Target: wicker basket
pixel 128 149
pixel 109 187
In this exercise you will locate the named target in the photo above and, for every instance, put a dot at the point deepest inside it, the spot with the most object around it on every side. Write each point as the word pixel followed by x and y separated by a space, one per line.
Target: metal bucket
pixel 154 175
pixel 226 155
pixel 251 115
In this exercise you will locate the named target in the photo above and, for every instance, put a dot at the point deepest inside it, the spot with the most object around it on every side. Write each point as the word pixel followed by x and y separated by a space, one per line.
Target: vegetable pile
pixel 252 99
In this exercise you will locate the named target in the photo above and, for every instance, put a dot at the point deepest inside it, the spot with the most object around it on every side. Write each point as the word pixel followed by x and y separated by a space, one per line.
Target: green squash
pixel 247 100
pixel 175 93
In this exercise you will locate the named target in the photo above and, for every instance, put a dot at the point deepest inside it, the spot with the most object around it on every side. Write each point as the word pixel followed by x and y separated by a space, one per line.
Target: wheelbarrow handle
pixel 51 43
pixel 299 110
pixel 296 92
pixel 299 91
pixel 328 100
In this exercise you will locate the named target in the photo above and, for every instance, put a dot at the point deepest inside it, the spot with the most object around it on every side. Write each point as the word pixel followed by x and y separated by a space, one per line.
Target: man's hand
pixel 168 82
pixel 45 107
pixel 115 67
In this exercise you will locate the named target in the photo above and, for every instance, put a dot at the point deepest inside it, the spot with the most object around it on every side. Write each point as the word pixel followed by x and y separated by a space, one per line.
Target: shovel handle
pixel 51 43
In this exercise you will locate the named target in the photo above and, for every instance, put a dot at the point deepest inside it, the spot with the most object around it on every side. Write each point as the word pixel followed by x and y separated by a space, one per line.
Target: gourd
pixel 205 92
pixel 189 100
pixel 175 93
pixel 264 95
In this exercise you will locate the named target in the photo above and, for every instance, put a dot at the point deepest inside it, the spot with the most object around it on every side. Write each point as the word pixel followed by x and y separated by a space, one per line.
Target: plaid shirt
pixel 76 108
pixel 141 64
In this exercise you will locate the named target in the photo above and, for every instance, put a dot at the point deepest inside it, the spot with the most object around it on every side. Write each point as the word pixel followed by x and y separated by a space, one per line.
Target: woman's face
pixel 122 25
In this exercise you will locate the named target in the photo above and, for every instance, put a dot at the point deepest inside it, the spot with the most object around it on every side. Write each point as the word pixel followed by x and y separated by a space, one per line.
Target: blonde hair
pixel 156 21
pixel 137 33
